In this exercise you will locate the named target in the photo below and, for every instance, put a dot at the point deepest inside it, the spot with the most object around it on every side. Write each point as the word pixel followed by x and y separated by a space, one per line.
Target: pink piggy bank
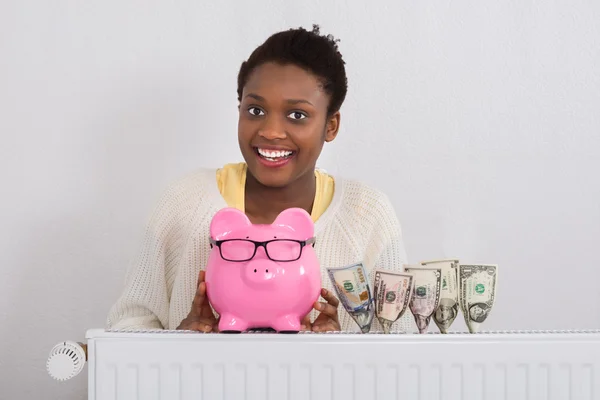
pixel 262 276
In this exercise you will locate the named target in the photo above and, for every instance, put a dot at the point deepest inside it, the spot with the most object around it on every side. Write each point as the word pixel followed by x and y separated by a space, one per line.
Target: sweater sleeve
pixel 144 302
pixel 388 252
pixel 386 242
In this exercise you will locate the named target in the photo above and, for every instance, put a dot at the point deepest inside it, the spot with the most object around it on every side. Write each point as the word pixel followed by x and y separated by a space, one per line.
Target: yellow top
pixel 231 180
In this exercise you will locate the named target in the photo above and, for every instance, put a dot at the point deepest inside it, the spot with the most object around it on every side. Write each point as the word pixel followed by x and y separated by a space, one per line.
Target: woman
pixel 290 92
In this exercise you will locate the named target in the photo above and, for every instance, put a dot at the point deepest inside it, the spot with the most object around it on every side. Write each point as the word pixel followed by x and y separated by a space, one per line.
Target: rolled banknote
pixel 426 294
pixel 352 288
pixel 392 292
pixel 447 309
pixel 477 283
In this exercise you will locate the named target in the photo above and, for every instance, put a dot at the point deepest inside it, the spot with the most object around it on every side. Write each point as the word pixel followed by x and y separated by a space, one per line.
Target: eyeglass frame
pixel 303 243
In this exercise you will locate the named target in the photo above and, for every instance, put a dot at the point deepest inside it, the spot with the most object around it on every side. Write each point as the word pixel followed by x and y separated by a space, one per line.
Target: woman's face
pixel 283 123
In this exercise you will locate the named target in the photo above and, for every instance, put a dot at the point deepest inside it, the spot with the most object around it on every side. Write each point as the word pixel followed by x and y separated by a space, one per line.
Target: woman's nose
pixel 272 129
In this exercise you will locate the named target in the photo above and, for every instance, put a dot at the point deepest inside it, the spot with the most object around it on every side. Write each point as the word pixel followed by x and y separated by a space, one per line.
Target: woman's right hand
pixel 201 317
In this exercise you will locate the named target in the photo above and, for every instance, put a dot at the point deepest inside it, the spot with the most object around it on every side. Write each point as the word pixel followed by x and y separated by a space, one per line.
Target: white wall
pixel 479 119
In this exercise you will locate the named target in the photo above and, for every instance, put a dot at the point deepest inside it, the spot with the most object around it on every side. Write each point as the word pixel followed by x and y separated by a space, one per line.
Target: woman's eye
pixel 255 111
pixel 297 115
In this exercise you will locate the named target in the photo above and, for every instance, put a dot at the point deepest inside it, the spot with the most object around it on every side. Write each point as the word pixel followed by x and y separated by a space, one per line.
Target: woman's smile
pixel 273 157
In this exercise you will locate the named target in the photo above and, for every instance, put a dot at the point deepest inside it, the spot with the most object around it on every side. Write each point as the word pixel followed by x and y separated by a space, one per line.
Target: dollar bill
pixel 392 294
pixel 352 288
pixel 447 309
pixel 454 261
pixel 426 294
pixel 477 287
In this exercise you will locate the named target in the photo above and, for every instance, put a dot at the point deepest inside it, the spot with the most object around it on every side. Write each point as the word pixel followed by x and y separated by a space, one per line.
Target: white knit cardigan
pixel 359 225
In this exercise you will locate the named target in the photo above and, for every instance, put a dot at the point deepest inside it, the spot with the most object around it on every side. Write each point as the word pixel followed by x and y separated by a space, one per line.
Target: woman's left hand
pixel 328 318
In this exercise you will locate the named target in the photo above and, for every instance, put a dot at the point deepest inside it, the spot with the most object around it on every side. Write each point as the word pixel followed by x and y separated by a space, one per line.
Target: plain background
pixel 480 120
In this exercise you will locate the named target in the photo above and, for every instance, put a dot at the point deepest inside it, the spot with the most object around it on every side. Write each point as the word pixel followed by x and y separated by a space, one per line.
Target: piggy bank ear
pixel 227 220
pixel 297 219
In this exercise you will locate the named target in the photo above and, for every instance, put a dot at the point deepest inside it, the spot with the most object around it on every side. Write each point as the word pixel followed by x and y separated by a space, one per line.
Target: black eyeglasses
pixel 279 250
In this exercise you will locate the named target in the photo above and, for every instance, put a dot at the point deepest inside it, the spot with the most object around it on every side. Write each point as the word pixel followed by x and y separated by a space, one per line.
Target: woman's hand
pixel 328 318
pixel 201 317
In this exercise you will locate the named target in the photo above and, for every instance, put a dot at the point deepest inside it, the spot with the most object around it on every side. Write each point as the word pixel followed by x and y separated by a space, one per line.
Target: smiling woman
pixel 283 124
pixel 290 91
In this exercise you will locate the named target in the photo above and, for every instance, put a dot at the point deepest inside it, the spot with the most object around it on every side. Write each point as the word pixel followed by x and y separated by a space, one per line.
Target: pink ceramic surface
pixel 261 292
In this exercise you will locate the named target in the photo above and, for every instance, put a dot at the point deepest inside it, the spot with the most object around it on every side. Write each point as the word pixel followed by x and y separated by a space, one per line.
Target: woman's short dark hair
pixel 309 50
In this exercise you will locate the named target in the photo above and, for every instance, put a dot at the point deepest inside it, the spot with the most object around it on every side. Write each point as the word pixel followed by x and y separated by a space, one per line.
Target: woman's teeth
pixel 274 155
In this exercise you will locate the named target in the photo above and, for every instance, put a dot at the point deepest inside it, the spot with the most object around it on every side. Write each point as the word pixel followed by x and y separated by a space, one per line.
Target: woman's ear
pixel 333 126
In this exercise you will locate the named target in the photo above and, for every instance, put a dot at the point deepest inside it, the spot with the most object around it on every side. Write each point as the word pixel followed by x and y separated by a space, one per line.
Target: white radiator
pixel 491 366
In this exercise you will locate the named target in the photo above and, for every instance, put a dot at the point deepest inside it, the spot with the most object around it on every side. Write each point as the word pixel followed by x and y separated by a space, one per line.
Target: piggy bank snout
pixel 260 272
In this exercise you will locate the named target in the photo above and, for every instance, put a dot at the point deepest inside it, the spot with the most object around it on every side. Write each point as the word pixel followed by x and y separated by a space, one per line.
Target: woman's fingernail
pixel 324 291
pixel 318 306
